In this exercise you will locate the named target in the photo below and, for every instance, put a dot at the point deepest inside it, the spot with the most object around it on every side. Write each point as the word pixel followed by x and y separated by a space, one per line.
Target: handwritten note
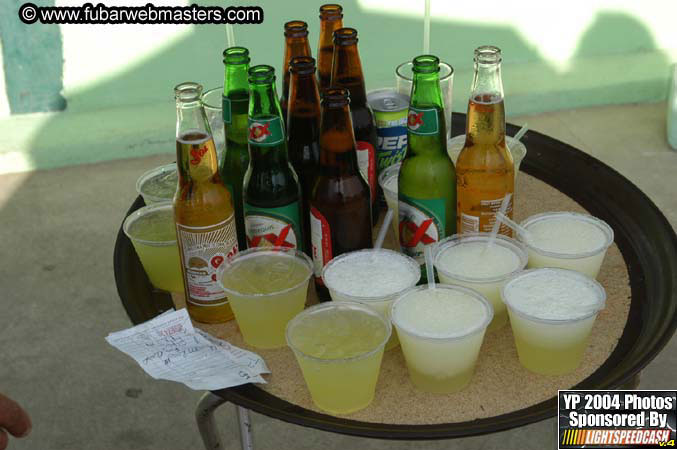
pixel 168 347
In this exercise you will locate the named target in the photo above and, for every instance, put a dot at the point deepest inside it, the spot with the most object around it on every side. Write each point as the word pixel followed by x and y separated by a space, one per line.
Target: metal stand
pixel 204 414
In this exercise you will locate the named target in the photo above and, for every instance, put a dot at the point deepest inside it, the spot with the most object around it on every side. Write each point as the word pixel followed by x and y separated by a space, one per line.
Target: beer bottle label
pixel 203 252
pixel 366 161
pixel 422 222
pixel 265 132
pixel 392 142
pixel 485 221
pixel 320 236
pixel 226 110
pixel 423 121
pixel 273 227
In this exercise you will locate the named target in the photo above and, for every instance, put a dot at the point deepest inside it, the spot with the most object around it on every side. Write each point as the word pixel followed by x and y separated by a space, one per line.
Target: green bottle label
pixel 423 121
pixel 273 227
pixel 265 132
pixel 422 222
pixel 226 110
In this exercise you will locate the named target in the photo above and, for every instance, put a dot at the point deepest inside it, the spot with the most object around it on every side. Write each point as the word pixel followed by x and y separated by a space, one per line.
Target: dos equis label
pixel 423 121
pixel 273 227
pixel 422 222
pixel 265 132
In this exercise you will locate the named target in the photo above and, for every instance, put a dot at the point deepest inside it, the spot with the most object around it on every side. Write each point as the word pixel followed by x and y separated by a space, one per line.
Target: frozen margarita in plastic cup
pixel 551 313
pixel 266 287
pixel 339 347
pixel 567 240
pixel 375 277
pixel 466 260
pixel 441 331
pixel 388 181
pixel 158 184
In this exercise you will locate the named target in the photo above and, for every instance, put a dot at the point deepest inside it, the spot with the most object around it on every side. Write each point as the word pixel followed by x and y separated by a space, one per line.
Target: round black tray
pixel 644 236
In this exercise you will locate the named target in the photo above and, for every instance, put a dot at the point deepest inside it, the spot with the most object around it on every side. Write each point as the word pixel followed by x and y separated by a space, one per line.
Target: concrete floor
pixel 58 228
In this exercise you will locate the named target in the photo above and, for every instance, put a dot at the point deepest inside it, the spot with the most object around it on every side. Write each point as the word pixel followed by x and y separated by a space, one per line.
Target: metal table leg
pixel 204 414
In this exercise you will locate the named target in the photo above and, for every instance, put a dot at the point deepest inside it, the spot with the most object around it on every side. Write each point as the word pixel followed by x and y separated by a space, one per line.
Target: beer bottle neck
pixel 295 46
pixel 426 90
pixel 196 154
pixel 347 73
pixel 263 101
pixel 304 97
pixel 486 110
pixel 325 48
pixel 338 155
pixel 235 78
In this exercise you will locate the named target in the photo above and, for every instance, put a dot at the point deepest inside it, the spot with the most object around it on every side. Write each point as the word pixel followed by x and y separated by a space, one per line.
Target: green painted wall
pixel 611 57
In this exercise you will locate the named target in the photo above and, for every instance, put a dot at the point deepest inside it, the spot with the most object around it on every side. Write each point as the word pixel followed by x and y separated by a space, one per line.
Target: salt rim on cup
pixel 599 223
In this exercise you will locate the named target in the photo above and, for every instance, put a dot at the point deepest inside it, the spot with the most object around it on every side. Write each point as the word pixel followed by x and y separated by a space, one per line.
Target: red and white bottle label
pixel 320 237
pixel 366 161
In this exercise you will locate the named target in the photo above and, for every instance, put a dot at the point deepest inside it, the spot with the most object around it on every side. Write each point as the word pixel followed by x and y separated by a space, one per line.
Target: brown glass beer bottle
pixel 303 130
pixel 340 209
pixel 203 210
pixel 347 73
pixel 296 44
pixel 331 19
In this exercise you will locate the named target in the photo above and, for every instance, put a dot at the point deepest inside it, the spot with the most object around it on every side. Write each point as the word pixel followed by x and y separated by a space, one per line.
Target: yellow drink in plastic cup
pixel 465 260
pixel 551 313
pixel 567 240
pixel 388 181
pixel 267 287
pixel 159 184
pixel 441 331
pixel 339 347
pixel 153 234
pixel 375 277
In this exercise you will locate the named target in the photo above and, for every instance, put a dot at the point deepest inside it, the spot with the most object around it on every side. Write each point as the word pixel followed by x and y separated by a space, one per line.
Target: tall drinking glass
pixel 405 77
pixel 212 101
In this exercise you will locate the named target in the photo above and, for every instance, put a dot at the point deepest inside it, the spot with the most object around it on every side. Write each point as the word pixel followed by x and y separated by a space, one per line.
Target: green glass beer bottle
pixel 235 110
pixel 427 180
pixel 271 192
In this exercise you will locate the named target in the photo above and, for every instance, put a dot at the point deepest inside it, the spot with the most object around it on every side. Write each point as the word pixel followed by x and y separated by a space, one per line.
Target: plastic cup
pixel 153 234
pixel 567 240
pixel 404 76
pixel 441 331
pixel 267 287
pixel 388 181
pixel 374 277
pixel 158 184
pixel 212 101
pixel 465 260
pixel 516 148
pixel 339 347
pixel 551 313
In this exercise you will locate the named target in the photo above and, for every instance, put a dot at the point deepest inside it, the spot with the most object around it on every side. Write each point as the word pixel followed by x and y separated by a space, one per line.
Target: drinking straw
pixel 426 28
pixel 384 229
pixel 428 251
pixel 230 36
pixel 497 224
pixel 520 133
pixel 514 225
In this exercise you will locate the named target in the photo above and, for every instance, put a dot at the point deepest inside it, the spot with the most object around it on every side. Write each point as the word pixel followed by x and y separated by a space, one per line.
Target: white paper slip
pixel 168 347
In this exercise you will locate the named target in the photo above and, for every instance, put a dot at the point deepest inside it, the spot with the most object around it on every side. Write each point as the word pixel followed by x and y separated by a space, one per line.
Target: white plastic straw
pixel 384 229
pixel 230 36
pixel 514 225
pixel 426 28
pixel 520 133
pixel 428 251
pixel 497 223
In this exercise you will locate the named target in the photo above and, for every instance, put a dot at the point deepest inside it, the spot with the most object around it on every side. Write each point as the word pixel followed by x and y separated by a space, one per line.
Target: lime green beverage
pixel 339 347
pixel 266 287
pixel 153 234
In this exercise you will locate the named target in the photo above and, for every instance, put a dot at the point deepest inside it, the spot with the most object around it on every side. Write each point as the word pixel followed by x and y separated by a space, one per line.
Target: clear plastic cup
pixel 441 331
pixel 153 234
pixel 388 181
pixel 339 347
pixel 158 184
pixel 212 101
pixel 567 240
pixel 375 277
pixel 465 260
pixel 551 313
pixel 267 287
pixel 516 148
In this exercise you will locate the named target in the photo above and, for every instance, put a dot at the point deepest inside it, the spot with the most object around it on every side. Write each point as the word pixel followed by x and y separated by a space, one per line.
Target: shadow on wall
pixel 100 125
